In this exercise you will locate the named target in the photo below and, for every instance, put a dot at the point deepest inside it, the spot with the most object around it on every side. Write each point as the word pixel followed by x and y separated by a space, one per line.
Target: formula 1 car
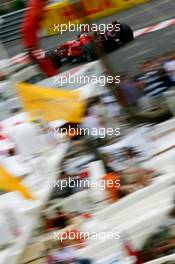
pixel 82 49
pixel 77 50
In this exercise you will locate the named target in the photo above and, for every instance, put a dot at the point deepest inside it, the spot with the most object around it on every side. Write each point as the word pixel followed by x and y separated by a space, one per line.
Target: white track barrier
pixel 158 185
pixel 137 231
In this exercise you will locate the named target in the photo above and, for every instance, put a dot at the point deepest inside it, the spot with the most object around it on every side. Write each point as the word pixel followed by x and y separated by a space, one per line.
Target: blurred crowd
pixel 129 174
pixel 157 75
pixel 125 167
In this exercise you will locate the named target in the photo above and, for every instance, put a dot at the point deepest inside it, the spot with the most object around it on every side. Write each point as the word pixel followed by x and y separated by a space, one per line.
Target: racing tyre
pixel 88 54
pixel 126 33
pixel 70 59
pixel 52 54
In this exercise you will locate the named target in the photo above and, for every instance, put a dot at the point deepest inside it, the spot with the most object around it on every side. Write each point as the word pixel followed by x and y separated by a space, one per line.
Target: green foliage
pixel 15 5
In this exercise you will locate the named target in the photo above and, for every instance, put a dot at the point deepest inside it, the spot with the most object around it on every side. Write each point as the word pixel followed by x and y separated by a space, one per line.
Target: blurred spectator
pixel 93 138
pixel 56 220
pixel 92 120
pixel 129 89
pixel 66 254
pixel 169 66
pixel 112 184
pixel 67 190
pixel 134 176
pixel 154 79
pixel 162 241
pixel 61 219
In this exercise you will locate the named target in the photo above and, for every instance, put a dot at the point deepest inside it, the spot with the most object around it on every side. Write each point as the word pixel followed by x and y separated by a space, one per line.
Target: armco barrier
pixel 10 26
pixel 65 11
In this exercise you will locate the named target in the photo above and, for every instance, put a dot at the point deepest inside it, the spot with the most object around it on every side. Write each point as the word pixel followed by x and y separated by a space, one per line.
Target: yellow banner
pixel 52 104
pixel 64 11
pixel 9 183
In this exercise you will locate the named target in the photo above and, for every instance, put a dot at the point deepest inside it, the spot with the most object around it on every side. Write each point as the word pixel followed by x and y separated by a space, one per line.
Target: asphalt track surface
pixel 127 58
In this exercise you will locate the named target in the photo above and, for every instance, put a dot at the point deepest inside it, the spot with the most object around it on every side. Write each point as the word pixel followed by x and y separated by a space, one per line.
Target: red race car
pixel 77 50
pixel 82 49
